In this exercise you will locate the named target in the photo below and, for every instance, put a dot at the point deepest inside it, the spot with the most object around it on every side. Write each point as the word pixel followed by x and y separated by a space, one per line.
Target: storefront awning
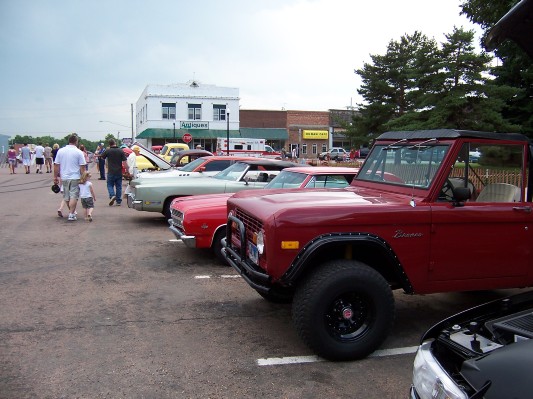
pixel 253 133
pixel 262 133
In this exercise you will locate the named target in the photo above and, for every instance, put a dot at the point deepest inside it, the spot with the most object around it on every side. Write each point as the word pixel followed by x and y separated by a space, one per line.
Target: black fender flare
pixel 303 259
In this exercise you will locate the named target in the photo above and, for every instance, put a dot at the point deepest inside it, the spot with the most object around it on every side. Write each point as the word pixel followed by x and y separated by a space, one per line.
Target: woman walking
pixel 12 159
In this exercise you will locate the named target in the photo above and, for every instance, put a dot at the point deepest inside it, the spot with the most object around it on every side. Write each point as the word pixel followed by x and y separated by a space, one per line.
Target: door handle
pixel 526 209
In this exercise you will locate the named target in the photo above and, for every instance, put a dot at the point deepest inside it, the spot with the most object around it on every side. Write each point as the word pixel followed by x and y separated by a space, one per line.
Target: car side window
pixel 217 165
pixel 493 173
pixel 327 181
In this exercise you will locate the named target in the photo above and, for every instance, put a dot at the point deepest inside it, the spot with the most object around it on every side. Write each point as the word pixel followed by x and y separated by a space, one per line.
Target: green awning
pixel 263 133
pixel 253 133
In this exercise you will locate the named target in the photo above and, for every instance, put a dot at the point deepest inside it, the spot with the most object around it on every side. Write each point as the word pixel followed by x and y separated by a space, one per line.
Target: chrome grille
pixel 177 218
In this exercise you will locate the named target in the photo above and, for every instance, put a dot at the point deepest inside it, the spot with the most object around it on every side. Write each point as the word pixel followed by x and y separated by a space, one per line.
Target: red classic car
pixel 200 220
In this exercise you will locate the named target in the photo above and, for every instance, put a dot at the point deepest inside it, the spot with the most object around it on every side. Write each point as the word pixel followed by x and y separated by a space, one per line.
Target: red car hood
pixel 204 200
pixel 271 202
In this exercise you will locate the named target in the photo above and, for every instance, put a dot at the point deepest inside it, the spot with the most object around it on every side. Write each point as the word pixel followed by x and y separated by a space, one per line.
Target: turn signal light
pixel 290 244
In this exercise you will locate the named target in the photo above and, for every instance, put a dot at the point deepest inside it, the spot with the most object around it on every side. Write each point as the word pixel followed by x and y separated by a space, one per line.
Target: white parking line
pixel 279 361
pixel 207 276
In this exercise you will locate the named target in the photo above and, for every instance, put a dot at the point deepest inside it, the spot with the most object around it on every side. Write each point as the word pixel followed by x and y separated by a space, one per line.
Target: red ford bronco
pixel 421 216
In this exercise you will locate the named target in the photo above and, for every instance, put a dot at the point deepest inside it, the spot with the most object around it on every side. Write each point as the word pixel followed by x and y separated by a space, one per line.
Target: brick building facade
pixel 307 131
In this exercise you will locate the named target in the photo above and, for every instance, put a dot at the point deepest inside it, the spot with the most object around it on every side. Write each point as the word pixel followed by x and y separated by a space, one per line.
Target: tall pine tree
pixel 417 85
pixel 514 68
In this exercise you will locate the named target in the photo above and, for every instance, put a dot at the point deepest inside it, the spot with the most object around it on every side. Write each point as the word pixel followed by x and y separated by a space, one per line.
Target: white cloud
pixel 67 65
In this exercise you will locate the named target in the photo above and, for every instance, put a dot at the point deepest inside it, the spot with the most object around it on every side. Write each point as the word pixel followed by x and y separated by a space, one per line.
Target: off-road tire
pixel 343 310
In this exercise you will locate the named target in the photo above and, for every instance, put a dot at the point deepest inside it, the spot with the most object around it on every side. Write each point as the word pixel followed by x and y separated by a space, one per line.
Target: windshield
pixel 412 165
pixel 233 173
pixel 287 180
pixel 192 165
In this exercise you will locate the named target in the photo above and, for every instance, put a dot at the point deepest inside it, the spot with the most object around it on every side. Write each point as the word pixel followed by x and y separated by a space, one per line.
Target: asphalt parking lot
pixel 116 308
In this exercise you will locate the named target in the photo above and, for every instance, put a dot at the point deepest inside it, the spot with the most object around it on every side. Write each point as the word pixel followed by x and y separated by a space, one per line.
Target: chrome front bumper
pixel 133 203
pixel 189 241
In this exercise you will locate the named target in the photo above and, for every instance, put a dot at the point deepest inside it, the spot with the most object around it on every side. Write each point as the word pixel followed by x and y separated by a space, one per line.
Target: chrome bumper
pixel 189 241
pixel 134 204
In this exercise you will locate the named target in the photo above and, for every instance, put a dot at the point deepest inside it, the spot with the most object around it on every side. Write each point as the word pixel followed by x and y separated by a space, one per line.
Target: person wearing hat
pixel 132 161
pixel 101 162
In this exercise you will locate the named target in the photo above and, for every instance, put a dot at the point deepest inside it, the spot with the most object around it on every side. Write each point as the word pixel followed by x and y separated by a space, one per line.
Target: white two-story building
pixel 166 113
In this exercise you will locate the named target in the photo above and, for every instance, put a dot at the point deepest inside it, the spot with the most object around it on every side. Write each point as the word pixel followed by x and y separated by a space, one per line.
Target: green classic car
pixel 156 196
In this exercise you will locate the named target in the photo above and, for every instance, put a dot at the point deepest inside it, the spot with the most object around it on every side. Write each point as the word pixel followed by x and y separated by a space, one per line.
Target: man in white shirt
pixel 132 161
pixel 25 153
pixel 69 165
pixel 39 158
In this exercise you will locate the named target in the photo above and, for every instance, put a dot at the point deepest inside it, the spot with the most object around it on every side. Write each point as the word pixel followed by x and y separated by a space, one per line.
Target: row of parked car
pixel 336 242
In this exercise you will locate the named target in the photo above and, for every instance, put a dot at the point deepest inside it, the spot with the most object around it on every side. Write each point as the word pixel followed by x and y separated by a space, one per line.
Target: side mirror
pixel 460 195
pixel 202 169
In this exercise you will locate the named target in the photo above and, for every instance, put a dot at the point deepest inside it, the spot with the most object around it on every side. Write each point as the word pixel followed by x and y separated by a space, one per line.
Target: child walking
pixel 87 195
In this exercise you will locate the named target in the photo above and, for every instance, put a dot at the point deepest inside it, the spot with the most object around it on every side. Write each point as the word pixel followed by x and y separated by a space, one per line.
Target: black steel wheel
pixel 344 310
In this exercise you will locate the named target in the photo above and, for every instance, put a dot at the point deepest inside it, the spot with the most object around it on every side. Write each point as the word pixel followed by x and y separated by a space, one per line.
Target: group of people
pixel 70 170
pixel 43 156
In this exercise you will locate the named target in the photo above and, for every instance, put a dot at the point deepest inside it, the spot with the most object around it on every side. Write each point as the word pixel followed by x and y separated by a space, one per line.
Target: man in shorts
pixel 39 158
pixel 69 165
pixel 25 154
pixel 48 160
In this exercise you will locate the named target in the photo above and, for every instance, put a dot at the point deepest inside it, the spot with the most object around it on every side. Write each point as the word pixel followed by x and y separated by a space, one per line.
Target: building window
pixel 195 112
pixel 324 148
pixel 304 149
pixel 219 112
pixel 314 149
pixel 168 110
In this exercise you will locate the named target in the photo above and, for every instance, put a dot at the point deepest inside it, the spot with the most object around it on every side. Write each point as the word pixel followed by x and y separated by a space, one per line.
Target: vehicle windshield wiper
pixel 391 146
pixel 423 143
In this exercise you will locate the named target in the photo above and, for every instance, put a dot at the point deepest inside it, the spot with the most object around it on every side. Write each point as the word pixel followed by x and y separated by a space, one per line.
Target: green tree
pixel 393 83
pixel 460 95
pixel 515 68
pixel 418 85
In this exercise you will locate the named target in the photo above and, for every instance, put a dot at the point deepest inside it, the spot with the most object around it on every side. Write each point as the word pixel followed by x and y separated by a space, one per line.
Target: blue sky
pixel 66 65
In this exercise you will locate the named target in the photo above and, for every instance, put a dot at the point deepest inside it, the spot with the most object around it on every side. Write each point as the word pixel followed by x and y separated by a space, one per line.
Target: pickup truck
pixel 438 224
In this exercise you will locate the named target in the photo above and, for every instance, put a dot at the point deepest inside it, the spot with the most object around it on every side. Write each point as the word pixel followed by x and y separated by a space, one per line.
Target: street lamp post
pixel 227 130
pixel 174 129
